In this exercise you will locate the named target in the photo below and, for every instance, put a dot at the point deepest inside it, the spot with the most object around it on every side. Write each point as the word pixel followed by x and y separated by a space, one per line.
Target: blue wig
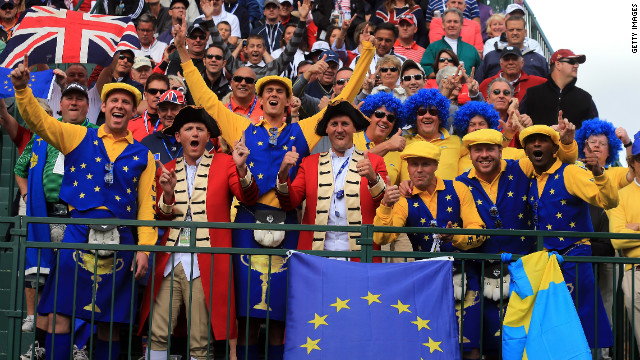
pixel 390 102
pixel 596 126
pixel 426 98
pixel 466 112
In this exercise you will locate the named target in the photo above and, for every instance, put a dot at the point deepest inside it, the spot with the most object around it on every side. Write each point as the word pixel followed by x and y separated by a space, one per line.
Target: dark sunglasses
pixel 341 81
pixel 432 111
pixel 217 57
pixel 198 37
pixel 381 115
pixel 7 7
pixel 239 79
pixel 409 77
pixel 128 58
pixel 385 69
pixel 504 92
pixel 569 61
pixel 154 92
pixel 445 60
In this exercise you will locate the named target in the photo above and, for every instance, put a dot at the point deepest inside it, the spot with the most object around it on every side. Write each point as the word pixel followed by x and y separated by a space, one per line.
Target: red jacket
pixel 520 87
pixel 222 184
pixel 306 186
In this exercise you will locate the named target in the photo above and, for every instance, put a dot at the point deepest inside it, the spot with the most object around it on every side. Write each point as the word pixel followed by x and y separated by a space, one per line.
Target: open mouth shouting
pixel 537 155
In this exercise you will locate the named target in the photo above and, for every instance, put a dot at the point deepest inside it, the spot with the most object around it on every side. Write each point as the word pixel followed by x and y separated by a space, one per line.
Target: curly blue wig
pixel 466 112
pixel 426 98
pixel 596 126
pixel 391 103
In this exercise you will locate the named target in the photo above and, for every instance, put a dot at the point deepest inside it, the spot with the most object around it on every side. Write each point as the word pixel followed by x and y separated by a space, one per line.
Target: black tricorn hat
pixel 339 108
pixel 193 114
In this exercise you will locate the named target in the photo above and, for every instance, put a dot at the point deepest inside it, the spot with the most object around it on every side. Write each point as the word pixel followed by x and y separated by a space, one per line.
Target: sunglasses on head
pixel 504 92
pixel 197 37
pixel 341 81
pixel 443 59
pixel 423 111
pixel 239 79
pixel 415 76
pixel 154 92
pixel 381 115
pixel 125 57
pixel 569 61
pixel 385 69
pixel 217 57
pixel 7 7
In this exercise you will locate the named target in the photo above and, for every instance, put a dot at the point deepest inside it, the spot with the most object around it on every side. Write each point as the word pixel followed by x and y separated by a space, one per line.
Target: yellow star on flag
pixel 552 191
pixel 129 208
pixel 448 197
pixel 510 177
pixel 563 202
pixel 284 147
pixel 89 176
pixel 422 324
pixel 572 224
pixel 95 142
pixel 341 304
pixel 401 307
pixel 135 157
pixel 75 183
pixel 423 220
pixel 520 215
pixel 449 209
pixel 97 188
pixel 371 298
pixel 128 191
pixel 415 205
pixel 433 345
pixel 559 215
pixel 549 227
pixel 259 143
pixel 479 202
pixel 557 176
pixel 311 345
pixel 510 194
pixel 98 159
pixel 72 169
pixel 524 198
pixel 135 179
pixel 260 176
pixel 81 195
pixel 292 137
pixel 83 165
pixel 251 164
pixel 125 168
pixel 318 320
pixel 470 188
pixel 117 198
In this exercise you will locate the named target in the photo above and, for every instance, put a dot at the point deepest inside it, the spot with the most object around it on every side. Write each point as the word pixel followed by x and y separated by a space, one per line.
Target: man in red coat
pixel 343 186
pixel 196 187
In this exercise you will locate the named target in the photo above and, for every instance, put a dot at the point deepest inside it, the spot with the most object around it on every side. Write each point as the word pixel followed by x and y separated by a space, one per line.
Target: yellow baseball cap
pixel 483 136
pixel 284 81
pixel 540 129
pixel 107 88
pixel 423 149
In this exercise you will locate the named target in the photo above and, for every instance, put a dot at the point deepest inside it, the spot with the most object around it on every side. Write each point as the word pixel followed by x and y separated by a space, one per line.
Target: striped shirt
pixel 470 12
pixel 413 52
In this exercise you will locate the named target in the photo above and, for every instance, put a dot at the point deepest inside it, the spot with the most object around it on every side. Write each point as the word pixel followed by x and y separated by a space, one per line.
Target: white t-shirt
pixel 94 102
pixel 228 17
pixel 155 51
pixel 453 43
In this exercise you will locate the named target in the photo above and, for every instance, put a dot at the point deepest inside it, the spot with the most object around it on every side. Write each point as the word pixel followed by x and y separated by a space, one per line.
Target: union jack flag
pixel 49 35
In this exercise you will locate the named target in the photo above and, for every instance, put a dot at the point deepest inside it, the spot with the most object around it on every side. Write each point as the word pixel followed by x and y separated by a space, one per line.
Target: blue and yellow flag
pixel 40 83
pixel 348 310
pixel 541 321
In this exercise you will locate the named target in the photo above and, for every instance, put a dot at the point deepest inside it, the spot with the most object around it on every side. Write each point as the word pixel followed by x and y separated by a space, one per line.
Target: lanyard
pixel 344 165
pixel 255 100
pixel 270 34
pixel 169 152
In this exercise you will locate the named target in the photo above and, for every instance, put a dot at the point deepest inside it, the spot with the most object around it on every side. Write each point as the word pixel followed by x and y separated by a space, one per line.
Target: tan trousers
pixel 402 243
pixel 198 340
pixel 632 295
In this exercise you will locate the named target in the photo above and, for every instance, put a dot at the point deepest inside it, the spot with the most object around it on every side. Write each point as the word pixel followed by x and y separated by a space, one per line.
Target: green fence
pixel 13 342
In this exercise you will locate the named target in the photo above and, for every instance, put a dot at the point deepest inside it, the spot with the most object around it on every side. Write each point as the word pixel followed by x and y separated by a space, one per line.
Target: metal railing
pixel 12 313
pixel 534 30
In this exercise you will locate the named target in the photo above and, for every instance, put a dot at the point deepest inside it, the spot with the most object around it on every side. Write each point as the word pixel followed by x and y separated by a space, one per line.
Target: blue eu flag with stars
pixel 40 83
pixel 347 310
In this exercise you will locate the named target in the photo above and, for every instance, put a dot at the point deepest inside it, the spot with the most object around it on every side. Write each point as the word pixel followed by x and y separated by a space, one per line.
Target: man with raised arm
pixel 108 175
pixel 268 141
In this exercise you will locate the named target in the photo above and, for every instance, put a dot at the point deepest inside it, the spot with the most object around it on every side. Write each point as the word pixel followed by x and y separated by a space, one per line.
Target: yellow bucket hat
pixel 540 129
pixel 482 136
pixel 423 149
pixel 107 88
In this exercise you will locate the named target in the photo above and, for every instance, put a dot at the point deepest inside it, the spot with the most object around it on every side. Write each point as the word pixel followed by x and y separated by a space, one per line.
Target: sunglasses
pixel 273 136
pixel 154 92
pixel 569 61
pixel 198 37
pixel 108 177
pixel 7 7
pixel 128 58
pixel 385 69
pixel 381 115
pixel 409 77
pixel 432 111
pixel 217 57
pixel 445 60
pixel 248 80
pixel 504 92
pixel 341 81
pixel 178 8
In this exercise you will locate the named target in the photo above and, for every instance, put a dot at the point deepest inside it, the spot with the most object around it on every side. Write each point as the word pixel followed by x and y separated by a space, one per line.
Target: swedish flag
pixel 40 83
pixel 348 310
pixel 541 321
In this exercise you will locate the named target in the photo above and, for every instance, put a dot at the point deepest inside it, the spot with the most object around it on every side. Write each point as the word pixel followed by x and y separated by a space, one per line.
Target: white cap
pixel 320 46
pixel 513 7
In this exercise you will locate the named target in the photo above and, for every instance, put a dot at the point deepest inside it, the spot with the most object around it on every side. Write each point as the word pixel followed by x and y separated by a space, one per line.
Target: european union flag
pixel 348 310
pixel 40 83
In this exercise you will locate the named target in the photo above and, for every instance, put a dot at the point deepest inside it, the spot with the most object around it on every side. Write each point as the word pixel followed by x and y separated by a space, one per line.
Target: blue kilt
pixel 113 282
